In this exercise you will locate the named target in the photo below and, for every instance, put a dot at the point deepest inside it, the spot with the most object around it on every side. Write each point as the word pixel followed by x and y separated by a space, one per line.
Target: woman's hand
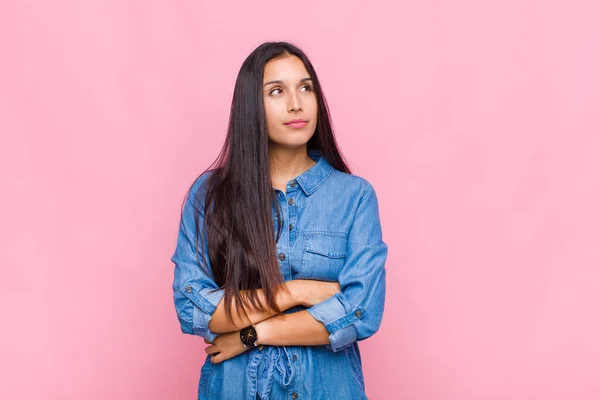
pixel 311 292
pixel 225 346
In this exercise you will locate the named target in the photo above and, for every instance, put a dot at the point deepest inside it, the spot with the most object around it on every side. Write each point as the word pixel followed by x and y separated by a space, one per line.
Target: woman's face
pixel 288 95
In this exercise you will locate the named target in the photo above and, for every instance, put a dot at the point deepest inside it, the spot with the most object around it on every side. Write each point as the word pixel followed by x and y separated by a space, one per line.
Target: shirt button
pixel 291 201
pixel 188 289
pixel 294 357
pixel 291 226
pixel 281 256
pixel 358 313
pixel 294 395
pixel 293 183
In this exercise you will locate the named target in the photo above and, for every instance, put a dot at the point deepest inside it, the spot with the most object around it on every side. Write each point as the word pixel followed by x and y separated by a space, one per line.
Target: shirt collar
pixel 311 179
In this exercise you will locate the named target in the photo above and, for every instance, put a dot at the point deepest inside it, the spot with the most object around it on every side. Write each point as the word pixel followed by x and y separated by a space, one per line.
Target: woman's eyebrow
pixel 281 82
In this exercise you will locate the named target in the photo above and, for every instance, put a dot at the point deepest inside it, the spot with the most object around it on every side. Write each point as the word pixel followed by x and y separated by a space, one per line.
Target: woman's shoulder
pixel 355 184
pixel 200 182
pixel 196 194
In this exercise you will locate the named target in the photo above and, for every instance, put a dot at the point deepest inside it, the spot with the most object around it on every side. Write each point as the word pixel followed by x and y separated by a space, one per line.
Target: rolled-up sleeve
pixel 355 312
pixel 195 293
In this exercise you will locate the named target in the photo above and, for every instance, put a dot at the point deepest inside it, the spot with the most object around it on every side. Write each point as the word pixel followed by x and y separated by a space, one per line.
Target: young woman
pixel 280 262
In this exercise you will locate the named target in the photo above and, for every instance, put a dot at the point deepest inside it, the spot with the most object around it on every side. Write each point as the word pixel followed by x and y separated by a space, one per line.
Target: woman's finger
pixel 211 349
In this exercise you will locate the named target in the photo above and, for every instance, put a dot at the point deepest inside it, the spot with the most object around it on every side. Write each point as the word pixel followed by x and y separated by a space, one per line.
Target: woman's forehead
pixel 288 68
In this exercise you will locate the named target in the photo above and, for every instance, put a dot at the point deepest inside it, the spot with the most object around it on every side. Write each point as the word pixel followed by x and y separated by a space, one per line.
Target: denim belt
pixel 272 357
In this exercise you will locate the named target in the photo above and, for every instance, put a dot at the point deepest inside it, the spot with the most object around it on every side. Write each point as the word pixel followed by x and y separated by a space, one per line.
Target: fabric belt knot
pixel 273 357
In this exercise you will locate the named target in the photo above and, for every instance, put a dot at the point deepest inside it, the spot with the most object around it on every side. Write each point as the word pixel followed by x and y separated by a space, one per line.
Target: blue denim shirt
pixel 333 234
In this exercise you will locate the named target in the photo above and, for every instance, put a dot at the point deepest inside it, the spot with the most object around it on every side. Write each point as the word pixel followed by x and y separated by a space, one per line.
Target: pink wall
pixel 483 136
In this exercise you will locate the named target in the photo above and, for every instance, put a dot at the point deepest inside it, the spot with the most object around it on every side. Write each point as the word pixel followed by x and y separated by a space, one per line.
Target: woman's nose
pixel 294 103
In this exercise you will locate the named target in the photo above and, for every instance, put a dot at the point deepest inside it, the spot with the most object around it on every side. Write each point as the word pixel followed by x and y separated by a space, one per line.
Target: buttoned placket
pixel 283 358
pixel 292 193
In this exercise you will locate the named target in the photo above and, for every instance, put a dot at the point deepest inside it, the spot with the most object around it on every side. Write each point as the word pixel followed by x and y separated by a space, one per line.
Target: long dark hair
pixel 239 195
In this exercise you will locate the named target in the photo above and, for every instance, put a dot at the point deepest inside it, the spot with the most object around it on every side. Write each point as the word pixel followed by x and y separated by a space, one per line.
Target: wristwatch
pixel 249 337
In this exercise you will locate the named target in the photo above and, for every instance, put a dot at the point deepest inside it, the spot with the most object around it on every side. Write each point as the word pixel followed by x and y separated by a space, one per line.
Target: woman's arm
pixel 292 293
pixel 299 329
pixel 356 312
pixel 295 329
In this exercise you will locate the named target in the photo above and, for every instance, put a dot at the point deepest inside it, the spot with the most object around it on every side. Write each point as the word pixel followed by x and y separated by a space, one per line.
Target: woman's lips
pixel 296 124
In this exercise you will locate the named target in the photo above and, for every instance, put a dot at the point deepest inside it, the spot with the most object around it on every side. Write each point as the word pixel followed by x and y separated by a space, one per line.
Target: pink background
pixel 476 121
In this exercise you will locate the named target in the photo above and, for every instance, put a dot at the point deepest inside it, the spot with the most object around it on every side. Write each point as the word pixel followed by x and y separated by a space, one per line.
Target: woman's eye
pixel 307 88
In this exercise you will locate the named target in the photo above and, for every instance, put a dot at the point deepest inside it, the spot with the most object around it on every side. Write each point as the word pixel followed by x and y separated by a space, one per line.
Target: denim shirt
pixel 333 234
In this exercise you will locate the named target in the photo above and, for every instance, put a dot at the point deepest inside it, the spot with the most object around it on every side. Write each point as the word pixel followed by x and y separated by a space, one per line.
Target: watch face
pixel 248 336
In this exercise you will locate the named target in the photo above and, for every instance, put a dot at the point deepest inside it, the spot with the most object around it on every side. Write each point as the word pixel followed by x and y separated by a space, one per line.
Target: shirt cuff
pixel 205 301
pixel 338 320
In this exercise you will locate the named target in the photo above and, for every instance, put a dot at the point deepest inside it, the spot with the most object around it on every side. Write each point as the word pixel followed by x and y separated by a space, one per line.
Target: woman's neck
pixel 286 164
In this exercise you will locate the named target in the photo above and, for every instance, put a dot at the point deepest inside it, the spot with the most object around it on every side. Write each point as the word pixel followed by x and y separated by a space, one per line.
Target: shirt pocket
pixel 324 255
